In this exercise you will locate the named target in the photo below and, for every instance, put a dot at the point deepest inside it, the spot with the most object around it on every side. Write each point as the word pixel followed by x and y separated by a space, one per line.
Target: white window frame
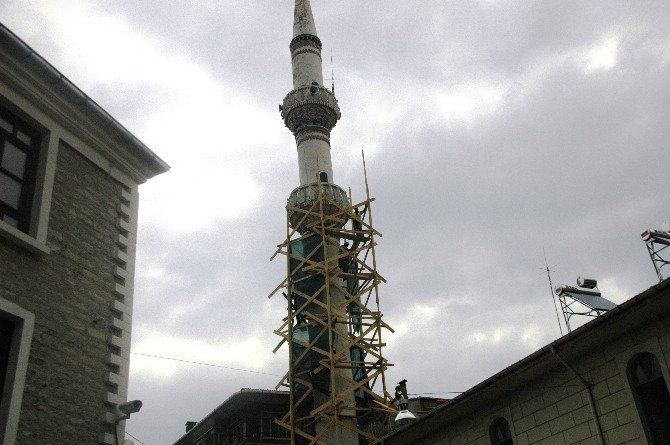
pixel 35 239
pixel 15 379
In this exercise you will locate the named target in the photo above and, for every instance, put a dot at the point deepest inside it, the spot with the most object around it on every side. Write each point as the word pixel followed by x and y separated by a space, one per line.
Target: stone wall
pixel 71 292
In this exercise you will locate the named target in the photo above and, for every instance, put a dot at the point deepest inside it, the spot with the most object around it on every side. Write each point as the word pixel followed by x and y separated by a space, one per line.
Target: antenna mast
pixel 332 73
pixel 551 290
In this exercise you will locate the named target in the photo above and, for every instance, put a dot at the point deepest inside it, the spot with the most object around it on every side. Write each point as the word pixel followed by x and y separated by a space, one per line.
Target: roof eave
pixel 527 361
pixel 152 164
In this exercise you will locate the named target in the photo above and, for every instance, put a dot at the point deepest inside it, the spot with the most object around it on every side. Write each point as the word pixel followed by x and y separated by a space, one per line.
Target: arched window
pixel 323 177
pixel 500 433
pixel 651 396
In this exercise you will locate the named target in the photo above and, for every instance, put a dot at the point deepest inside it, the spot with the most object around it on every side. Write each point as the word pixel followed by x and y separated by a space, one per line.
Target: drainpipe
pixel 588 386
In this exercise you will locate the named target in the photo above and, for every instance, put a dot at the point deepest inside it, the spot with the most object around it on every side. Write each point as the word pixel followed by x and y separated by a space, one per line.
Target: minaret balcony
pixel 310 106
pixel 305 40
pixel 335 201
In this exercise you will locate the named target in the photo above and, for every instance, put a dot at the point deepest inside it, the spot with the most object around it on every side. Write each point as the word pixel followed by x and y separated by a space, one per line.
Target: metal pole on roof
pixel 551 291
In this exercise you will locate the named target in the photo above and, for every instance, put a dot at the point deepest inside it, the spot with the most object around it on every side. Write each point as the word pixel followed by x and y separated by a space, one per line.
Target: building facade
pixel 69 176
pixel 245 418
pixel 604 383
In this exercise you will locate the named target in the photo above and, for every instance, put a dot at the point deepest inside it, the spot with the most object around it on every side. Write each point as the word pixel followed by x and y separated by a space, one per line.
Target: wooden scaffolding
pixel 334 325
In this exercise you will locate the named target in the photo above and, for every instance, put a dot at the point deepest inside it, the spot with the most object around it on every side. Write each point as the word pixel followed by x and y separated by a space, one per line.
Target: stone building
pixel 245 418
pixel 69 176
pixel 604 383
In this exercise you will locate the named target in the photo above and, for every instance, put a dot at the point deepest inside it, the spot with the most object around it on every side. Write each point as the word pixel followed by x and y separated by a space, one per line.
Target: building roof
pixel 633 312
pixel 57 82
pixel 244 397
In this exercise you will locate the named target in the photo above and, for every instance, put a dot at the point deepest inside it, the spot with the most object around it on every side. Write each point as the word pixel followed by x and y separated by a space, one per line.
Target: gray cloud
pixel 486 141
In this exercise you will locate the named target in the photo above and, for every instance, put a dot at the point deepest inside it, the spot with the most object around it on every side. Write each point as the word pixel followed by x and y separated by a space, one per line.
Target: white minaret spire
pixel 306 59
pixel 303 19
pixel 310 111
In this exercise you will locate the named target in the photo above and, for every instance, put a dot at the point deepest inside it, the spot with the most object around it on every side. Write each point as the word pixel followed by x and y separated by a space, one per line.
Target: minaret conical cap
pixel 303 22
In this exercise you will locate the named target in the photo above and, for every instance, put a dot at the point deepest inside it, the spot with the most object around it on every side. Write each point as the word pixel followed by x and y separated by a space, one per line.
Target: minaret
pixel 310 111
pixel 334 325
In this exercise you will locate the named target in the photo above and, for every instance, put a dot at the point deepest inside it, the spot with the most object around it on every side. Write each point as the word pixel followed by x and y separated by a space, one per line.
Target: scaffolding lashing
pixel 334 326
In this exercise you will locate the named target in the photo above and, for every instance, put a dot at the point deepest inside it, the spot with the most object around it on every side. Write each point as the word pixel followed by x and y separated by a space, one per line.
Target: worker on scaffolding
pixel 350 268
pixel 356 317
pixel 401 397
pixel 401 390
pixel 345 260
pixel 357 219
pixel 357 226
pixel 352 290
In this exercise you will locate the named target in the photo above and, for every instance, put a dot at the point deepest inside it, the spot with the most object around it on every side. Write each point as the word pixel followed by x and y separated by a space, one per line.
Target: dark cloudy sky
pixel 492 129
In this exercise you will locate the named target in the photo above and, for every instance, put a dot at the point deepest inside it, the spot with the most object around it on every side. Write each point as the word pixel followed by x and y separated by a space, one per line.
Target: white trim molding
pixel 122 306
pixel 15 379
pixel 36 238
